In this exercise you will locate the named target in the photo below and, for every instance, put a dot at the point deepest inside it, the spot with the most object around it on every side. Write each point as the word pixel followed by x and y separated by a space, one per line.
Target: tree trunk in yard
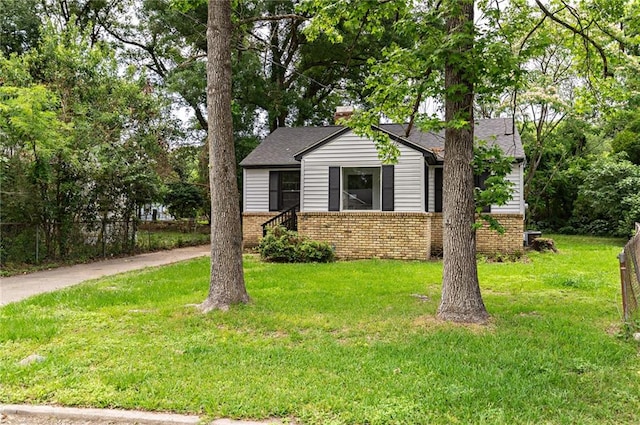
pixel 226 286
pixel 461 298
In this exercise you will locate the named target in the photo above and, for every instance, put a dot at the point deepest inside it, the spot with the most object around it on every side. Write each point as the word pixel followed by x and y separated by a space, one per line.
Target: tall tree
pixel 445 49
pixel 461 299
pixel 226 285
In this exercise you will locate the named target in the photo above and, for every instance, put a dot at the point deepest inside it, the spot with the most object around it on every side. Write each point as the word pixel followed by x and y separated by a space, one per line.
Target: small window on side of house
pixel 284 190
pixel 289 189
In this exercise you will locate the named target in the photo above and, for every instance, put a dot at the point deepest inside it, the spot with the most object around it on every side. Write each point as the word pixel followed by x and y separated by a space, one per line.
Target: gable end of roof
pixel 298 156
pixel 428 153
pixel 431 157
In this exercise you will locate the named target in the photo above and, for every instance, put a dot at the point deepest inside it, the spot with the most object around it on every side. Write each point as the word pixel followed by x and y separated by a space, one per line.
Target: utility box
pixel 530 236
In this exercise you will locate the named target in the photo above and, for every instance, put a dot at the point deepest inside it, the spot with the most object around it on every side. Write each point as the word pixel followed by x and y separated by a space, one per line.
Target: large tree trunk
pixel 227 278
pixel 461 298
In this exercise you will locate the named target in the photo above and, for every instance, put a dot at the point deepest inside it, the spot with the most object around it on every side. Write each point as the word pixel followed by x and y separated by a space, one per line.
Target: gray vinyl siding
pixel 432 188
pixel 350 150
pixel 514 206
pixel 409 181
pixel 256 190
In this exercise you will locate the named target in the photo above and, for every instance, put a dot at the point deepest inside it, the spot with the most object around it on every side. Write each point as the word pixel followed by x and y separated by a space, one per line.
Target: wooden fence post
pixel 38 244
pixel 623 284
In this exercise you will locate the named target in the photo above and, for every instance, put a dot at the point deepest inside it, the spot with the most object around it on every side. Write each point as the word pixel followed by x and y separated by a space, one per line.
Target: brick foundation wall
pixel 487 241
pixel 252 226
pixel 410 236
pixel 490 242
pixel 361 235
pixel 436 235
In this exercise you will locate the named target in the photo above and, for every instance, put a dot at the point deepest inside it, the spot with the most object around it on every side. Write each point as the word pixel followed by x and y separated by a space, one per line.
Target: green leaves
pixel 609 194
pixel 628 139
pixel 29 117
pixel 82 137
pixel 286 246
pixel 492 166
pixel 366 15
pixel 184 200
pixel 19 26
pixel 186 5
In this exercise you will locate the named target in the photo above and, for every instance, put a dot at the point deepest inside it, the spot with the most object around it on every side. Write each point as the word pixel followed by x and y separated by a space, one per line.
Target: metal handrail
pixel 287 218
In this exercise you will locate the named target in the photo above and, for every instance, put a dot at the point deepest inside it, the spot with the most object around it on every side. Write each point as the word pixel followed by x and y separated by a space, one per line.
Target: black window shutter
pixel 426 187
pixel 387 187
pixel 479 182
pixel 274 190
pixel 438 189
pixel 334 188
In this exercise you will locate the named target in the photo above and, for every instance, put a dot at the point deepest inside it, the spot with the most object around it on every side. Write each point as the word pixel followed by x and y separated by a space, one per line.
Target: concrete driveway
pixel 19 287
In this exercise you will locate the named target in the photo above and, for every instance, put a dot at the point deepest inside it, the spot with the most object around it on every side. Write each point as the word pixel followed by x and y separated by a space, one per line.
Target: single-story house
pixel 155 212
pixel 333 187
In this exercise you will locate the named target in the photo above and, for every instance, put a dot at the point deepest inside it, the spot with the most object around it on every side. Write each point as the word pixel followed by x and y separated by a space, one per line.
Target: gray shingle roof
pixel 278 148
pixel 498 131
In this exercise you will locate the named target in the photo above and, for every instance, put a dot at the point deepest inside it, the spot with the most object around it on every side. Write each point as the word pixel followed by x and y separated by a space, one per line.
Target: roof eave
pixel 279 166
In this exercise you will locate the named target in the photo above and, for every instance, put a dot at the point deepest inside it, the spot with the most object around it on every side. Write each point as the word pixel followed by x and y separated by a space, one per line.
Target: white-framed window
pixel 361 188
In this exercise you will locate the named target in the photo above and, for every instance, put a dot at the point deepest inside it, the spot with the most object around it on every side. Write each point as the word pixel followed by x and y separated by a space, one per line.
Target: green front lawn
pixel 349 342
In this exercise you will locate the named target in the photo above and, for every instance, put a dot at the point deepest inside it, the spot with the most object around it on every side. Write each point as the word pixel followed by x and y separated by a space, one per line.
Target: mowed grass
pixel 342 343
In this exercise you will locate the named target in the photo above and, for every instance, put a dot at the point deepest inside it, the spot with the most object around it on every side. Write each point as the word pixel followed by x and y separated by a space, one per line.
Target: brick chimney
pixel 342 113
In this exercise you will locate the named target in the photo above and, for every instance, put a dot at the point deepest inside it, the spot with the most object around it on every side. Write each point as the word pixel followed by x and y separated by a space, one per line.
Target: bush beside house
pixel 284 246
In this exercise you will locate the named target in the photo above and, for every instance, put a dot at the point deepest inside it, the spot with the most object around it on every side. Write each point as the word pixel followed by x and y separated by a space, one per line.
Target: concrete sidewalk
pixel 22 414
pixel 16 288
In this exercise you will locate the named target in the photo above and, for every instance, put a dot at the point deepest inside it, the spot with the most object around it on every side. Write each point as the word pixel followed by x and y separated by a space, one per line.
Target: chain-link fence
pixel 23 243
pixel 630 277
